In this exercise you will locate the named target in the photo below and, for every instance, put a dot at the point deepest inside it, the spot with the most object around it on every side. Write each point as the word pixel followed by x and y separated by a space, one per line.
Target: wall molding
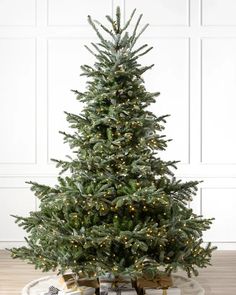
pixel 194 31
pixel 35 102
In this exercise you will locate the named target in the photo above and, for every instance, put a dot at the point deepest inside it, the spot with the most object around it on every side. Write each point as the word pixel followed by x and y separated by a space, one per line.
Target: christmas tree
pixel 119 208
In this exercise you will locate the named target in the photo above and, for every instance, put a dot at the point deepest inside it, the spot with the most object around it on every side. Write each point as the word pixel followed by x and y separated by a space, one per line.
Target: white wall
pixel 41 49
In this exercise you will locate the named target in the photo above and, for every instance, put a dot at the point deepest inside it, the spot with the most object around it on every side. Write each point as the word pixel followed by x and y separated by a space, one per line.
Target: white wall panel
pixel 74 12
pixel 197 85
pixel 218 100
pixel 160 12
pixel 196 203
pixel 220 203
pixel 65 57
pixel 218 12
pixel 15 12
pixel 16 201
pixel 17 98
pixel 170 76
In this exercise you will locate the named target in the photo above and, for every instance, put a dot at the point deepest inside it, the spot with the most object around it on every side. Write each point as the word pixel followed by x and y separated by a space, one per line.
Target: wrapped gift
pixel 116 285
pixel 69 281
pixel 78 291
pixel 110 280
pixel 161 282
pixel 93 283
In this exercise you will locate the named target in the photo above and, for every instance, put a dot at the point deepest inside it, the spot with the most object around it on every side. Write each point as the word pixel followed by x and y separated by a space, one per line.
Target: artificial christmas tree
pixel 120 209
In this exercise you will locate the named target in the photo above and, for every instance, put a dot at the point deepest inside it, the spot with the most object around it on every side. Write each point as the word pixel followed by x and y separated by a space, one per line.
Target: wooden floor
pixel 219 279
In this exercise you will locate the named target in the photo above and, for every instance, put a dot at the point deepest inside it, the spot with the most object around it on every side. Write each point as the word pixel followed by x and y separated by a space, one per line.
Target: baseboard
pixel 11 244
